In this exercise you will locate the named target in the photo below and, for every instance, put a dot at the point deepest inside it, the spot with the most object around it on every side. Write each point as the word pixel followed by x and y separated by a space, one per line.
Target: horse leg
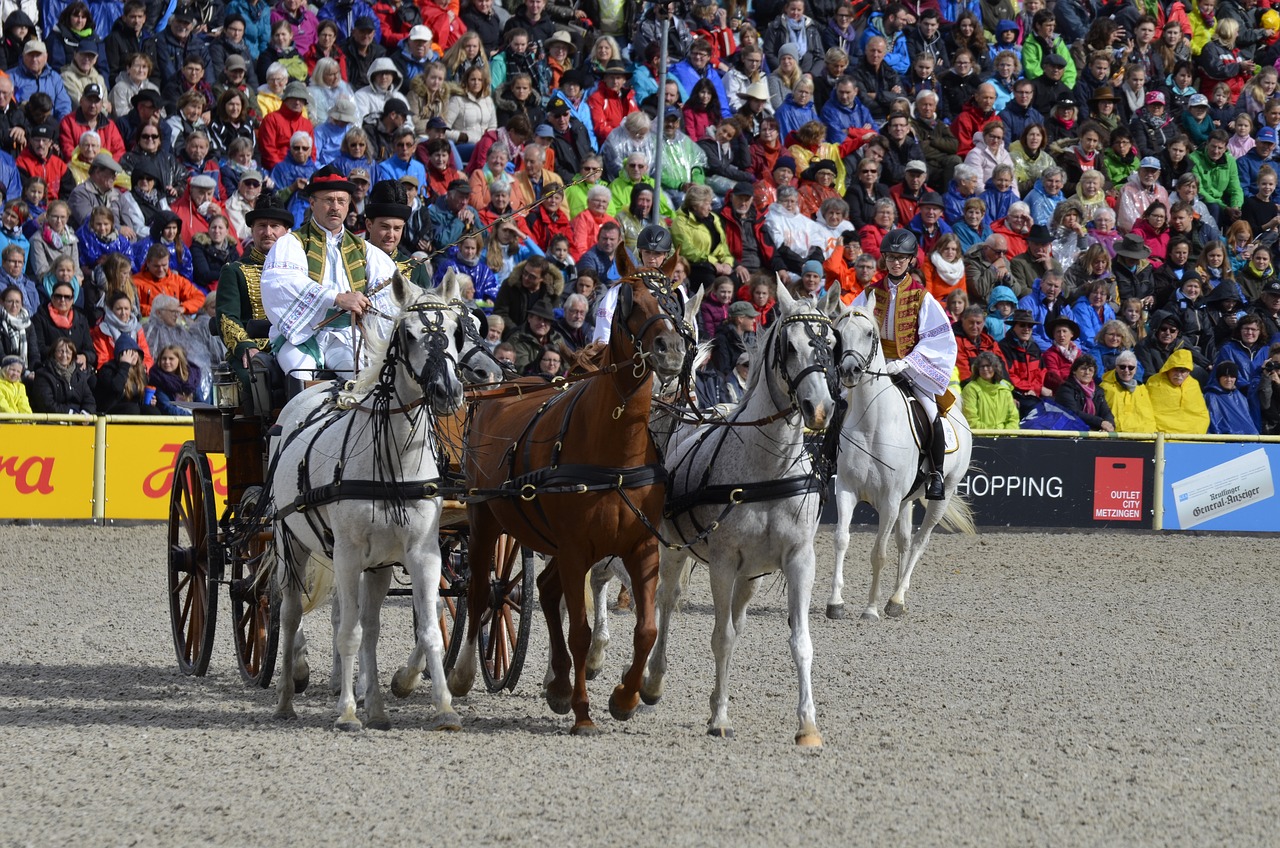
pixel 729 594
pixel 933 513
pixel 574 584
pixel 846 502
pixel 428 649
pixel 601 574
pixel 373 591
pixel 301 667
pixel 896 606
pixel 291 630
pixel 483 542
pixel 879 554
pixel 643 569
pixel 799 574
pixel 557 687
pixel 348 635
pixel 671 569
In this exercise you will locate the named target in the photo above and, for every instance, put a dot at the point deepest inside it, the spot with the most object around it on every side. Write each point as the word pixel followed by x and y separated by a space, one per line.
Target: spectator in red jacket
pixel 198 205
pixel 611 101
pixel 89 116
pixel 1022 356
pixel 972 339
pixel 550 219
pixel 38 159
pixel 278 127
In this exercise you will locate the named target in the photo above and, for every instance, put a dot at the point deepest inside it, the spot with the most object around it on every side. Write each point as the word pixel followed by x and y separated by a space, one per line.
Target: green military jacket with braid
pixel 239 301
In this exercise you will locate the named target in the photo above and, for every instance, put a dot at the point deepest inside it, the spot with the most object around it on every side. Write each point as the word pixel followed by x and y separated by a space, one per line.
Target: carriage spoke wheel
pixel 255 605
pixel 454 579
pixel 504 630
pixel 193 561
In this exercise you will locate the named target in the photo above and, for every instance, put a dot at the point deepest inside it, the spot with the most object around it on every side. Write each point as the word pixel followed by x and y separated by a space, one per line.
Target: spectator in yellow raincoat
pixel 1129 400
pixel 1176 399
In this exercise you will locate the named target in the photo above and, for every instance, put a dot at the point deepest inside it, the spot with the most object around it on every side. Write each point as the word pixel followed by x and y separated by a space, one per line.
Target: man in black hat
pixel 738 217
pixel 146 111
pixel 1022 357
pixel 1134 277
pixel 362 49
pixel 89 116
pixel 571 142
pixel 538 332
pixel 322 273
pixel 385 214
pixel 242 321
pixel 1037 261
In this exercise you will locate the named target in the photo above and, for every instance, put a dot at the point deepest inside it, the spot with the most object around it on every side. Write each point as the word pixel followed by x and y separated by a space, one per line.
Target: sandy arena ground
pixel 1087 689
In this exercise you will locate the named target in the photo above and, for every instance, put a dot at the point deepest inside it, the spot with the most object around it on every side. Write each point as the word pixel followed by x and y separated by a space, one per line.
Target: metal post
pixel 664 15
pixel 100 470
pixel 1157 496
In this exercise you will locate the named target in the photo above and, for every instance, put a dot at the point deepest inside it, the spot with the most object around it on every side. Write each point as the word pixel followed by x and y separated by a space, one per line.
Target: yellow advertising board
pixel 46 471
pixel 139 470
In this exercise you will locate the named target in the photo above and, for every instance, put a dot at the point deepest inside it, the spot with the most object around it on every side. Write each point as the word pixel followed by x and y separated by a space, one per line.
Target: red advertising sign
pixel 1117 488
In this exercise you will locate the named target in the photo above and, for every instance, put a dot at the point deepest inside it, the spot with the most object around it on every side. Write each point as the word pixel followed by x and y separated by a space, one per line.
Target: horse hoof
pixel 349 725
pixel 593 673
pixel 559 704
pixel 871 615
pixel 585 728
pixel 650 700
pixel 383 723
pixel 399 687
pixel 618 712
pixel 459 687
pixel 895 610
pixel 300 684
pixel 809 740
pixel 285 715
pixel 720 732
pixel 447 721
pixel 835 611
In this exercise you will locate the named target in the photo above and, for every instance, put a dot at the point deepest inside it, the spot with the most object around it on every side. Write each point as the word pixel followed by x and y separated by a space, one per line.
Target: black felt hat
pixel 268 209
pixel 387 199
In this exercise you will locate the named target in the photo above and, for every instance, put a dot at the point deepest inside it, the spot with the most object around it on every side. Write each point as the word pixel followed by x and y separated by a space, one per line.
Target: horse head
pixel 859 342
pixel 424 345
pixel 476 363
pixel 648 322
pixel 798 356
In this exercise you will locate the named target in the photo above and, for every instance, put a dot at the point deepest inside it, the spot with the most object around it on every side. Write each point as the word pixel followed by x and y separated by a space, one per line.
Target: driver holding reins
pixel 322 273
pixel 916 337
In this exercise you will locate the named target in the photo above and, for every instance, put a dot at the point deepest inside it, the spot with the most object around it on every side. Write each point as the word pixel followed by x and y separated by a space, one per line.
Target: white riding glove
pixel 895 367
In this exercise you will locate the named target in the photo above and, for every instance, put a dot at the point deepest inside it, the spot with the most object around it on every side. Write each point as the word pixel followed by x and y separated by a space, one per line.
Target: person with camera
pixel 1269 392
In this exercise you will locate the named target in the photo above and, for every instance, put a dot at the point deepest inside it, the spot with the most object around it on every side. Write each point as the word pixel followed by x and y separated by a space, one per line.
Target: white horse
pixel 355 492
pixel 748 500
pixel 879 463
pixel 477 366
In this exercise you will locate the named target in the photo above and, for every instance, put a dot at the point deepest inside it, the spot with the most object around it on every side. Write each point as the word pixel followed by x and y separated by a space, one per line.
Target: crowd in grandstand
pixel 1091 183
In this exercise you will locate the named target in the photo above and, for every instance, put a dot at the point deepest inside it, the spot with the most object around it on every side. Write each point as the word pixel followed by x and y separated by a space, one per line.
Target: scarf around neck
pixel 112 327
pixel 950 272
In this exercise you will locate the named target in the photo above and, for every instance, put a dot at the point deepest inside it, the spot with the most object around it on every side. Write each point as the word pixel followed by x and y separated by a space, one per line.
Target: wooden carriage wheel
pixel 194 561
pixel 255 604
pixel 504 631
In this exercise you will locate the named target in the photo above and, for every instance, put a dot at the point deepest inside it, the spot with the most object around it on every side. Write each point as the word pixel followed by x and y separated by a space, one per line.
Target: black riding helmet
pixel 654 238
pixel 900 241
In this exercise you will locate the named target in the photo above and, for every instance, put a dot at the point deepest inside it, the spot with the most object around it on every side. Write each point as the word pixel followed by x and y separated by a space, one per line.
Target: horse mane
pixel 587 360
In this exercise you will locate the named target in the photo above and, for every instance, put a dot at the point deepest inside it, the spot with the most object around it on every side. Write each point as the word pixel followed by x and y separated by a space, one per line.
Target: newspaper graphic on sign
pixel 1223 489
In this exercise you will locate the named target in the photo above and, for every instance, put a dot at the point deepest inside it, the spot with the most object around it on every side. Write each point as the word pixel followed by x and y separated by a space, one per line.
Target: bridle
pixel 816 327
pixel 861 361
pixel 466 332
pixel 670 309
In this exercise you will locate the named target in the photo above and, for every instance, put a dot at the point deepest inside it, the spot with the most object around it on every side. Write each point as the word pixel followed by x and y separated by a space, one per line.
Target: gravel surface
pixel 1086 689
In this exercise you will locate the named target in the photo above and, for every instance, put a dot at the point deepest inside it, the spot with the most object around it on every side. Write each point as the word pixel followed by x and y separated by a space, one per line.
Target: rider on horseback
pixel 916 337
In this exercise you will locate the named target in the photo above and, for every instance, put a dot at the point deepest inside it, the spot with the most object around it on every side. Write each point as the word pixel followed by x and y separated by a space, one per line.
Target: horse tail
pixel 959 516
pixel 317 582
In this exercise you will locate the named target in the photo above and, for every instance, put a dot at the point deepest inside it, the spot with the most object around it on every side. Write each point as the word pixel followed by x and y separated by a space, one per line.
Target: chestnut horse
pixel 575 476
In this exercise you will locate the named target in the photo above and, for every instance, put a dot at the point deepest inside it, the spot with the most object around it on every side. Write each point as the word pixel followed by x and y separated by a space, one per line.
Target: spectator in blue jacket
pixel 1248 165
pixel 257 22
pixel 33 74
pixel 890 25
pixel 696 66
pixel 964 185
pixel 1229 412
pixel 844 110
pixel 1046 195
pixel 344 13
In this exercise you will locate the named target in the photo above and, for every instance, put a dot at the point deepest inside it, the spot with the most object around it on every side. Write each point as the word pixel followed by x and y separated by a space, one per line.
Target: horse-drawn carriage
pixel 224 539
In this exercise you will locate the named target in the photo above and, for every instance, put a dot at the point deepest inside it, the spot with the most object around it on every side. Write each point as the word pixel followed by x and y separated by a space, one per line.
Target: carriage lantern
pixel 226 388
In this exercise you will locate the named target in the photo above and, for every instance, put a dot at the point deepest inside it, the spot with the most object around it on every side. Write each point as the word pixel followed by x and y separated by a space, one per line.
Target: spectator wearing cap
pixel 906 194
pixel 742 232
pixel 345 13
pixel 570 139
pixel 1248 165
pixel 242 200
pixel 442 222
pixel 1142 189
pixel 683 162
pixel 279 127
pixel 38 159
pixel 196 207
pixel 537 333
pixel 33 75
pixel 362 49
pixel 928 223
pixel 1219 177
pixel 1152 127
pixel 329 135
pixel 232 42
pixel 1052 86
pixel 1196 120
pixel 97 190
pixel 1267 308
pixel 89 116
pixel 416 52
pixel 82 71
pixel 611 102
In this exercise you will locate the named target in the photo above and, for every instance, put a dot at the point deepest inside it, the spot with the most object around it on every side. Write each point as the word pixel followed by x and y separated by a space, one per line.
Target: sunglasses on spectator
pixel 149 135
pixel 1126 368
pixel 61 297
pixel 251 182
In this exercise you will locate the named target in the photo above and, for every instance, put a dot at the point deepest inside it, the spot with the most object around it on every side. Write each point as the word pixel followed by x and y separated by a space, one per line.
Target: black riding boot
pixel 934 490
